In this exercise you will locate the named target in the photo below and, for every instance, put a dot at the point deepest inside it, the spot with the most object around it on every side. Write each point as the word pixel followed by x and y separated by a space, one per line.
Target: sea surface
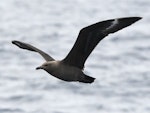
pixel 120 63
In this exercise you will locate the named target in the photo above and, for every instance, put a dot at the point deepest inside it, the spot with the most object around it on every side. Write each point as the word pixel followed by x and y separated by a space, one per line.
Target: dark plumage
pixel 70 68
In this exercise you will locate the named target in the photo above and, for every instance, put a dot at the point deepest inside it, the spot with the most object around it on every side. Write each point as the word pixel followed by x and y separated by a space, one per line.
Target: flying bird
pixel 71 67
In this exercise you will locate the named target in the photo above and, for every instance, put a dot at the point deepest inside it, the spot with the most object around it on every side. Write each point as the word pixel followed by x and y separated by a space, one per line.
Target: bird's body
pixel 58 70
pixel 71 67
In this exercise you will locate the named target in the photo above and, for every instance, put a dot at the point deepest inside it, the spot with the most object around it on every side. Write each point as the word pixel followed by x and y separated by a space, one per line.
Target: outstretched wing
pixel 90 36
pixel 32 48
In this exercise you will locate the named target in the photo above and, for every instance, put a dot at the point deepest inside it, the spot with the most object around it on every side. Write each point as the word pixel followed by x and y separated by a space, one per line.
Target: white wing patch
pixel 113 24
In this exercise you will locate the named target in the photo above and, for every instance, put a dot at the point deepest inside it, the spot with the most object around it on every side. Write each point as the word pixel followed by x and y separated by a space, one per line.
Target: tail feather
pixel 87 79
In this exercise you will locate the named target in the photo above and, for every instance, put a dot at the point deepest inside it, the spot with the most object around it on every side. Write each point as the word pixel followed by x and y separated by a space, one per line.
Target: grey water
pixel 120 63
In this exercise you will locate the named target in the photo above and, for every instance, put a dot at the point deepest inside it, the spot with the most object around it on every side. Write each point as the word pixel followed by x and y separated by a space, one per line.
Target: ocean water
pixel 120 63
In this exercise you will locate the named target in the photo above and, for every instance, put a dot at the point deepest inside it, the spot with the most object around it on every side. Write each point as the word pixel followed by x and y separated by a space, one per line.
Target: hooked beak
pixel 40 67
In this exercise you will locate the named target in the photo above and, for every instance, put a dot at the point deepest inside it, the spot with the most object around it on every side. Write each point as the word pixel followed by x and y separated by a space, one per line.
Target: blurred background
pixel 120 63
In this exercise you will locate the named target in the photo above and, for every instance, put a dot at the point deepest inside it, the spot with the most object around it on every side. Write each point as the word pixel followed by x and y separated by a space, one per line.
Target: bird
pixel 71 68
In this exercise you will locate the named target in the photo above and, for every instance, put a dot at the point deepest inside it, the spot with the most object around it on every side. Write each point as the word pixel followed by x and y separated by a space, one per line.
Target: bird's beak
pixel 40 67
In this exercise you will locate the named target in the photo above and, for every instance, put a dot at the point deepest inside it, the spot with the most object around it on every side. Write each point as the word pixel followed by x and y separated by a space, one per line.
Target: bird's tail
pixel 86 79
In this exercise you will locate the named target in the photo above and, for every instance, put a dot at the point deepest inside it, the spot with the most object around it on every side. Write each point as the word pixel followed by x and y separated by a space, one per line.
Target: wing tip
pixel 139 18
pixel 17 43
pixel 130 20
pixel 120 23
pixel 134 19
pixel 13 41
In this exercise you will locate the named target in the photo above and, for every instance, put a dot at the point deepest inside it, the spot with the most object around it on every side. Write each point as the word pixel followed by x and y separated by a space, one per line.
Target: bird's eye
pixel 46 65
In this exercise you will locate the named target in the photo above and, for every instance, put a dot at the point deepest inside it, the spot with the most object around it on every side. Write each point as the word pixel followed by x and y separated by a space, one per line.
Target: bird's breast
pixel 66 72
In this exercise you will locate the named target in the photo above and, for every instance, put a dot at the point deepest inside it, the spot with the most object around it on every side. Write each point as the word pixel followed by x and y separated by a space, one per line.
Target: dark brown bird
pixel 71 67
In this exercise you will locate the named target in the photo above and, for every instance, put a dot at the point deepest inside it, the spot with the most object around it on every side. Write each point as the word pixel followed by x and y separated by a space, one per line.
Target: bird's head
pixel 49 66
pixel 44 66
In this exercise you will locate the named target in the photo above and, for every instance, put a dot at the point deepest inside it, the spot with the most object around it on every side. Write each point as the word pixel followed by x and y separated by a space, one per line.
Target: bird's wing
pixel 90 36
pixel 32 48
